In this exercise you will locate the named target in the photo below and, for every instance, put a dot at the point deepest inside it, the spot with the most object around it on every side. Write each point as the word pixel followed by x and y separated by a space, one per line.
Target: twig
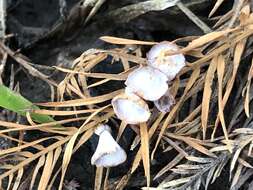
pixel 2 36
pixel 27 65
pixel 98 4
pixel 132 11
pixel 206 29
pixel 2 64
pixel 237 7
pixel 2 18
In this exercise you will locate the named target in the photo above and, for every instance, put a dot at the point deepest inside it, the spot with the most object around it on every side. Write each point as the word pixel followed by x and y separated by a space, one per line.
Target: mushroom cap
pixel 148 83
pixel 130 108
pixel 168 64
pixel 165 103
pixel 108 152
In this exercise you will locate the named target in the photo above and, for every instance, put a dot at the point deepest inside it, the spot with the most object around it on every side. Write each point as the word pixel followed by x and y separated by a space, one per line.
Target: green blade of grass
pixel 17 103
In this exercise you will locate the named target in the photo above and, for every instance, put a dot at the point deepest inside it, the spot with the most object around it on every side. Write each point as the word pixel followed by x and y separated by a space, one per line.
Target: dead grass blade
pixel 176 182
pixel 207 94
pixel 239 48
pixel 98 178
pixel 106 182
pixel 9 181
pixel 83 139
pixel 210 37
pixel 220 73
pixel 123 41
pixel 245 163
pixel 121 130
pixel 82 102
pixel 195 19
pixel 145 151
pixel 170 165
pixel 237 58
pixel 236 176
pixel 175 146
pixel 46 171
pixel 123 181
pixel 247 99
pixel 151 132
pixel 18 179
pixel 236 155
pixel 199 159
pixel 62 113
pixel 67 157
pixel 94 10
pixel 16 149
pixel 209 177
pixel 218 50
pixel 36 170
pixel 192 143
pixel 223 19
pixel 119 76
pixel 247 90
pixel 216 6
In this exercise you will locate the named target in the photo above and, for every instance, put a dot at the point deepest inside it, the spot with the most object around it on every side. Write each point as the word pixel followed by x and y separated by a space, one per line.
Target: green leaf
pixel 17 103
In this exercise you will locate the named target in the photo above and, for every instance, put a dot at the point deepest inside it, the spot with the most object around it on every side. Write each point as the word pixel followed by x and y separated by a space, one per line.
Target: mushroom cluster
pixel 149 83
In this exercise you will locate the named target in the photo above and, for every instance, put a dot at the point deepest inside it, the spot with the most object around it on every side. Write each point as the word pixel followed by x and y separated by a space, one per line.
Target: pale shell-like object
pixel 148 83
pixel 108 152
pixel 168 64
pixel 130 108
pixel 165 103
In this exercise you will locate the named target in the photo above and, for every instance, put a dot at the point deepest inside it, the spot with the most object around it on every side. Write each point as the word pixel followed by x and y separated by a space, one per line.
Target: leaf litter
pixel 200 140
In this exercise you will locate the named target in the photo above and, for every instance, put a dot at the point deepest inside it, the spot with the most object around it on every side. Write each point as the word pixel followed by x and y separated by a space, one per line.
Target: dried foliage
pixel 209 128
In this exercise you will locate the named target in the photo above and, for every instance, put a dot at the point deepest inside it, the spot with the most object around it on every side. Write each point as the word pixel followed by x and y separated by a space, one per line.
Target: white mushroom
pixel 170 65
pixel 108 152
pixel 148 83
pixel 165 103
pixel 130 108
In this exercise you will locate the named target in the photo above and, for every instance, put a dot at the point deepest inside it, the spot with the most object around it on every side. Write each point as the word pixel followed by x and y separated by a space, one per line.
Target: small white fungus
pixel 168 64
pixel 130 108
pixel 108 152
pixel 148 83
